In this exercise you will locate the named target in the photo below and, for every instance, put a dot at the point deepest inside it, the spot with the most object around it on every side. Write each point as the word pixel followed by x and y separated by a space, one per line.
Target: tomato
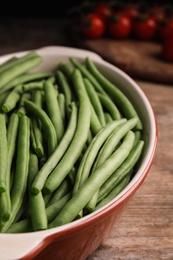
pixel 157 13
pixel 119 26
pixel 167 48
pixel 144 28
pixel 131 11
pixel 165 29
pixel 104 10
pixel 92 25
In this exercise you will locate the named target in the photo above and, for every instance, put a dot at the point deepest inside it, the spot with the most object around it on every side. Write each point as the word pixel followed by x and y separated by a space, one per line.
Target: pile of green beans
pixel 70 142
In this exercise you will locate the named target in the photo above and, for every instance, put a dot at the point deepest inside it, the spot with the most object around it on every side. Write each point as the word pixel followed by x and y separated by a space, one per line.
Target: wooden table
pixel 146 228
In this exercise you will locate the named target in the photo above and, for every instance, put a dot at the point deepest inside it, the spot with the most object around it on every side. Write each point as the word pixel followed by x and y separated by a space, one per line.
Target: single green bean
pixel 58 153
pixel 3 153
pixel 65 87
pixel 110 106
pixel 48 127
pixel 123 103
pixel 62 106
pixel 65 68
pixel 32 86
pixel 25 96
pixel 12 99
pixel 108 118
pixel 94 182
pixel 53 110
pixel 36 202
pixel 3 96
pixel 95 124
pixel 80 137
pixel 37 138
pixel 95 101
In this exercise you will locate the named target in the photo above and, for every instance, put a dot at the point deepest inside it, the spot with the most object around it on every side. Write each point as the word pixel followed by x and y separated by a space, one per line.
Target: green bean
pixel 123 170
pixel 65 68
pixel 114 139
pixel 53 109
pixel 3 153
pixel 62 106
pixel 110 106
pixel 12 99
pixel 24 64
pixel 95 124
pixel 5 65
pixel 21 170
pixel 12 129
pixel 22 111
pixel 37 97
pixel 108 148
pixel 86 73
pixel 46 122
pixel 80 137
pixel 108 118
pixel 37 138
pixel 95 101
pixel 36 202
pixel 65 87
pixel 94 182
pixel 123 103
pixel 92 151
pixel 58 153
pixel 53 210
pixel 32 86
pixel 3 96
pixel 25 78
pixel 62 190
pixel 22 226
pixel 114 192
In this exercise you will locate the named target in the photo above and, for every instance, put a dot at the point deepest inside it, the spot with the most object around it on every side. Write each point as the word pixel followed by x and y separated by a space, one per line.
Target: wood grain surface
pixel 145 230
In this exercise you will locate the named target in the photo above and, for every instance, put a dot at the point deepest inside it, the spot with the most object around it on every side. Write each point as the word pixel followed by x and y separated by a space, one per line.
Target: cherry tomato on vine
pixel 92 25
pixel 144 28
pixel 167 48
pixel 119 26
pixel 104 10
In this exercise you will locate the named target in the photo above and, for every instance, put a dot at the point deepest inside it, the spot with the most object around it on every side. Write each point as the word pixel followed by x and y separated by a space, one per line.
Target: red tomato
pixel 104 10
pixel 119 26
pixel 144 28
pixel 165 29
pixel 167 48
pixel 131 11
pixel 157 13
pixel 92 26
